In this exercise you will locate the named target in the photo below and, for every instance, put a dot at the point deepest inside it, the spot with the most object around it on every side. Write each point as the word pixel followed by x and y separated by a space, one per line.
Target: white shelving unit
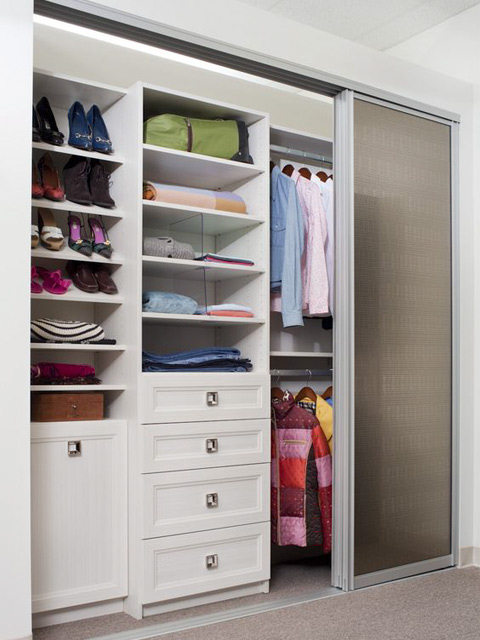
pixel 196 270
pixel 184 320
pixel 101 466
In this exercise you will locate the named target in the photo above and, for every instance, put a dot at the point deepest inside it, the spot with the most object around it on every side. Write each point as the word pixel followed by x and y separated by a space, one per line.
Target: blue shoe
pixel 80 135
pixel 101 140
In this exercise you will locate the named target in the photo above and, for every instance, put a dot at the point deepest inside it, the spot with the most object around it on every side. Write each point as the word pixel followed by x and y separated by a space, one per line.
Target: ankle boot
pixel 75 179
pixel 99 181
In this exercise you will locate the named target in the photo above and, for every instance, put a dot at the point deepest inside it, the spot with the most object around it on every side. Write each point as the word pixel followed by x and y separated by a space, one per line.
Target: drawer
pixel 196 563
pixel 188 501
pixel 196 397
pixel 201 445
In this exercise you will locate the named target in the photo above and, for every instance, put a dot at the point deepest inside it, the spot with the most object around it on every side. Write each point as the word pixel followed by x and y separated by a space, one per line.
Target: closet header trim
pixel 90 15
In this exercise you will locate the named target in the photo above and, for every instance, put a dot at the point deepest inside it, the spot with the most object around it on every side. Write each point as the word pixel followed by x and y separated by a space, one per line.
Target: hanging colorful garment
pixel 301 478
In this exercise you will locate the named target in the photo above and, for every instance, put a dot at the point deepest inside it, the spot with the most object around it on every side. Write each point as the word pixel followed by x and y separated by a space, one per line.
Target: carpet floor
pixel 439 606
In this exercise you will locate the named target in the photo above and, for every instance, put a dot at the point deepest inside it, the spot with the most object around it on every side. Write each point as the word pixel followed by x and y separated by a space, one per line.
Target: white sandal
pixel 51 236
pixel 35 237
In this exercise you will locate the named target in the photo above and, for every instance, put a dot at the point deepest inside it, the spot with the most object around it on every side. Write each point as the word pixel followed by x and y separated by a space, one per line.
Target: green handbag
pixel 218 138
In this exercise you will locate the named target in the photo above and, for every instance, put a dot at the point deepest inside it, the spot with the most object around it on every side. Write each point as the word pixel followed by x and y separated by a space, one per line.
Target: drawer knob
pixel 212 561
pixel 211 445
pixel 212 500
pixel 212 398
pixel 74 448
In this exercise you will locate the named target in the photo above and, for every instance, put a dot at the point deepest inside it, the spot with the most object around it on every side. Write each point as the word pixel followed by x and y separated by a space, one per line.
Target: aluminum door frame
pixel 344 351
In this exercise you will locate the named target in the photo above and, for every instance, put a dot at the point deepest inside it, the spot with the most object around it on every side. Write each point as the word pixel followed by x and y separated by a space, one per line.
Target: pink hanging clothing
pixel 314 268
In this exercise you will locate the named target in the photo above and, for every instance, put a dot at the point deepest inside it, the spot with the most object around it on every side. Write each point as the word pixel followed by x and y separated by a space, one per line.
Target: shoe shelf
pixel 86 348
pixel 300 354
pixel 67 206
pixel 178 319
pixel 188 219
pixel 69 254
pixel 75 295
pixel 195 270
pixel 78 387
pixel 193 169
pixel 73 151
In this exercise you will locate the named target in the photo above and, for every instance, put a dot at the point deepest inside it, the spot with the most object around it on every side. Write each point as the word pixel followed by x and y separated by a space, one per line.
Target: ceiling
pixel 380 24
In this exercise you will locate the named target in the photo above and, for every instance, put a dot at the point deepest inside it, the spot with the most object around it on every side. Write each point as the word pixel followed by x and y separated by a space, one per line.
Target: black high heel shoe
pixel 48 127
pixel 36 137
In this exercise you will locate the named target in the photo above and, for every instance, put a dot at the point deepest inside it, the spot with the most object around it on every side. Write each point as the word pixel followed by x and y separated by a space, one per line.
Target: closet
pixel 166 499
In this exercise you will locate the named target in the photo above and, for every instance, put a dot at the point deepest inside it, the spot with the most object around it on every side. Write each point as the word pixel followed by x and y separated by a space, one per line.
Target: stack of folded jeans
pixel 209 359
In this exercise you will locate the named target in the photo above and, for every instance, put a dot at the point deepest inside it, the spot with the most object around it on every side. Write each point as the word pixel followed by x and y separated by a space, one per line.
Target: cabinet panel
pixel 193 397
pixel 178 447
pixel 79 513
pixel 179 566
pixel 185 501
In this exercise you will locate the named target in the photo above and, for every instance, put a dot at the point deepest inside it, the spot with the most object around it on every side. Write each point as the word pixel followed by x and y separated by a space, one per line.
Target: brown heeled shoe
pixel 50 180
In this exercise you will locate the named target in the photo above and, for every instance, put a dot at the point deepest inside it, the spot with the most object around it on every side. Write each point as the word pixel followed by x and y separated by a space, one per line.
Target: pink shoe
pixel 53 282
pixel 35 287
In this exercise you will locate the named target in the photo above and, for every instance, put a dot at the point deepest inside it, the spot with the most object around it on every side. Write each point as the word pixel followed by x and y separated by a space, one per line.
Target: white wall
pixel 454 48
pixel 15 171
pixel 252 29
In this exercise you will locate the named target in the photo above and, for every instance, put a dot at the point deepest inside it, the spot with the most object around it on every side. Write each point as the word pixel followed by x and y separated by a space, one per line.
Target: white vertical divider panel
pixel 16 30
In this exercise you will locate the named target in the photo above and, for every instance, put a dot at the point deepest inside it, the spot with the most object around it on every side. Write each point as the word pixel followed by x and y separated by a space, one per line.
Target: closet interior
pixel 165 493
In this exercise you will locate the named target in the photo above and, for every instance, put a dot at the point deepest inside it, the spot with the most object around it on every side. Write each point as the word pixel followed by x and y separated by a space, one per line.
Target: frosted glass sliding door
pixel 402 343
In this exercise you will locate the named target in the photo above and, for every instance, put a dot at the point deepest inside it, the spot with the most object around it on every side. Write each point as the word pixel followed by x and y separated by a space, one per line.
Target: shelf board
pixel 301 140
pixel 74 425
pixel 66 206
pixel 180 167
pixel 78 387
pixel 178 319
pixel 65 346
pixel 72 151
pixel 195 270
pixel 188 219
pixel 75 295
pixel 300 354
pixel 69 254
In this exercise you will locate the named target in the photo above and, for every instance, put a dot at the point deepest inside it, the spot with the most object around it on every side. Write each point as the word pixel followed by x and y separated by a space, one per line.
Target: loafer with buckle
pixel 80 134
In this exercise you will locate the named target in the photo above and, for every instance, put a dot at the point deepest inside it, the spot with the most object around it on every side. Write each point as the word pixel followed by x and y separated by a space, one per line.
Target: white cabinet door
pixel 79 513
pixel 186 501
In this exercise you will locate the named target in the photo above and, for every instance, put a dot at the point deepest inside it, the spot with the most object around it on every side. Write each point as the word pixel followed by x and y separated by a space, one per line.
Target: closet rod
pixel 305 155
pixel 301 373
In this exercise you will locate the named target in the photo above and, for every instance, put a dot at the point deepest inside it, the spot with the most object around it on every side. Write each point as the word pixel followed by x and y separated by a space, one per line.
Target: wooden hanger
pixel 322 175
pixel 306 173
pixel 277 394
pixel 328 393
pixel 307 392
pixel 330 177
pixel 288 169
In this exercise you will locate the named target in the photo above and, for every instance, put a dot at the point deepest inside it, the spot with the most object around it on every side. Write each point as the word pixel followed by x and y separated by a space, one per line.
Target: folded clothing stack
pixel 208 359
pixel 192 197
pixel 215 257
pixel 167 302
pixel 227 310
pixel 56 373
pixel 166 247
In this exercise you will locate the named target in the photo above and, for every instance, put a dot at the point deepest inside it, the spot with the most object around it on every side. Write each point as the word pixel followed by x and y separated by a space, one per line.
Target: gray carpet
pixel 289 580
pixel 440 606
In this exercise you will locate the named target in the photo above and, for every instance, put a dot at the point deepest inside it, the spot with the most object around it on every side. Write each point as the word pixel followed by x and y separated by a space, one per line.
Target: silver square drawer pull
pixel 212 398
pixel 212 561
pixel 212 500
pixel 74 448
pixel 211 445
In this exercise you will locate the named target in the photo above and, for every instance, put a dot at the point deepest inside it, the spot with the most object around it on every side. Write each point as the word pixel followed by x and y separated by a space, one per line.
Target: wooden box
pixel 59 407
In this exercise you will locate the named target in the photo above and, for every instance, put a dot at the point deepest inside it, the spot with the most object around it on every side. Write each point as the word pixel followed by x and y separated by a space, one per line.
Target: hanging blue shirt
pixel 286 246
